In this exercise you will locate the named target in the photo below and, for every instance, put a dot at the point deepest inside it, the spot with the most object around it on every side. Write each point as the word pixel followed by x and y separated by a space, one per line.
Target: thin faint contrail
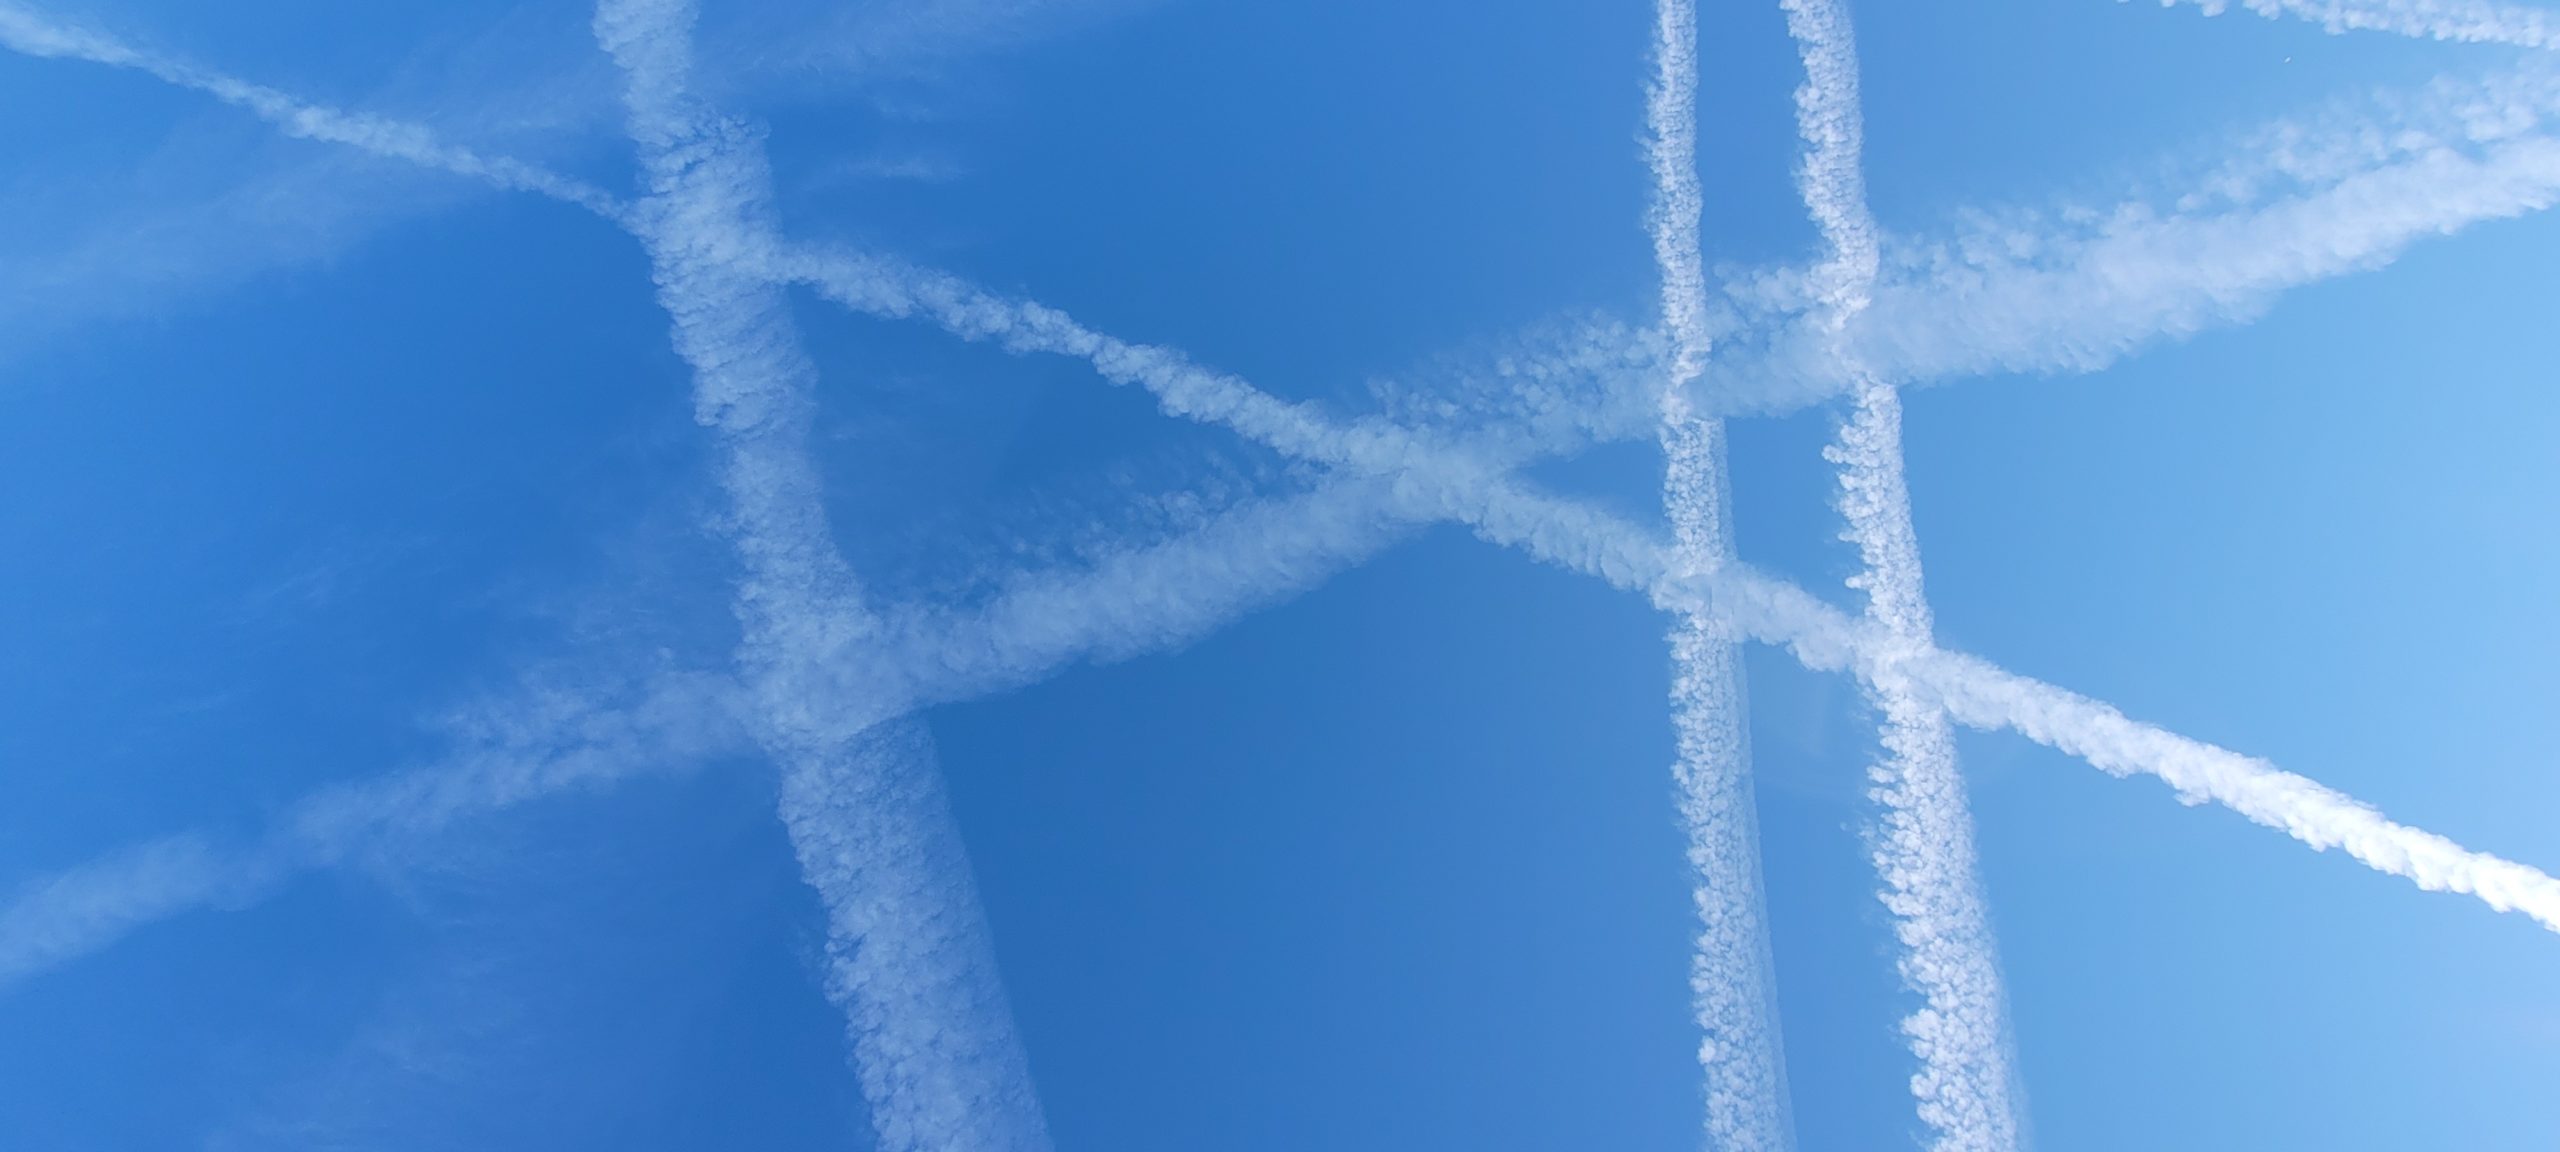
pixel 28 32
pixel 1924 851
pixel 909 958
pixel 551 738
pixel 2466 21
pixel 1732 978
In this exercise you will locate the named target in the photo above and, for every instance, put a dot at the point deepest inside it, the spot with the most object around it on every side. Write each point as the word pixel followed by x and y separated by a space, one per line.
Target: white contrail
pixel 1429 477
pixel 1440 482
pixel 2466 21
pixel 1924 851
pixel 2077 291
pixel 910 961
pixel 1129 601
pixel 551 739
pixel 1145 599
pixel 1732 979
pixel 1432 480
pixel 1981 695
pixel 28 32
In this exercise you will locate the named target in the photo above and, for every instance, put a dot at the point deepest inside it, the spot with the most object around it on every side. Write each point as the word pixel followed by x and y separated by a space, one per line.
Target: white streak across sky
pixel 909 958
pixel 2077 290
pixel 2465 21
pixel 1924 851
pixel 30 33
pixel 1732 978
pixel 552 736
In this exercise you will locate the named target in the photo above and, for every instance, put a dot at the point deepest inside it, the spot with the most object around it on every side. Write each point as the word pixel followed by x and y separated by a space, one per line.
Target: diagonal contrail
pixel 908 955
pixel 1924 851
pixel 28 32
pixel 1433 480
pixel 2314 201
pixel 1979 694
pixel 549 739
pixel 1969 303
pixel 862 796
pixel 1732 979
pixel 2465 21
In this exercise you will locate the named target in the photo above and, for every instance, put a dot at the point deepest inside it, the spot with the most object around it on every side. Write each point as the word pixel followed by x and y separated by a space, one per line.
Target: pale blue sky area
pixel 321 466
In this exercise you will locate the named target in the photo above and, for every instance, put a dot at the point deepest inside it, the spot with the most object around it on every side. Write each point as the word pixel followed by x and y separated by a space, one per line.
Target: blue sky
pixel 402 683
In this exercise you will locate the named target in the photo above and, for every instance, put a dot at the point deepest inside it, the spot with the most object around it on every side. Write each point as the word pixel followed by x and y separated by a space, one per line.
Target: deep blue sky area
pixel 320 468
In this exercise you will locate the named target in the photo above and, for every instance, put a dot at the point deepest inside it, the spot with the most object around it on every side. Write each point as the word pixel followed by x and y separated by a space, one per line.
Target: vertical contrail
pixel 1732 983
pixel 908 955
pixel 1924 851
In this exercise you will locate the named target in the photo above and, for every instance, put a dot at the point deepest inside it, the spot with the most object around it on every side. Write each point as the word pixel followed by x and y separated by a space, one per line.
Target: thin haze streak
pixel 552 739
pixel 909 959
pixel 1732 978
pixel 30 33
pixel 1924 851
pixel 2463 21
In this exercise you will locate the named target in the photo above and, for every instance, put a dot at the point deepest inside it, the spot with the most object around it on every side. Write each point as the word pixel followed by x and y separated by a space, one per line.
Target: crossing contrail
pixel 1924 851
pixel 1979 694
pixel 1732 978
pixel 909 958
pixel 1438 480
pixel 2075 291
pixel 829 681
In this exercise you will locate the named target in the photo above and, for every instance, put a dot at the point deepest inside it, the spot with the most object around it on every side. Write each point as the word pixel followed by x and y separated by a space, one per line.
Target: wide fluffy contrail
pixel 2466 21
pixel 552 738
pixel 910 961
pixel 1924 851
pixel 2045 292
pixel 1732 979
pixel 25 31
